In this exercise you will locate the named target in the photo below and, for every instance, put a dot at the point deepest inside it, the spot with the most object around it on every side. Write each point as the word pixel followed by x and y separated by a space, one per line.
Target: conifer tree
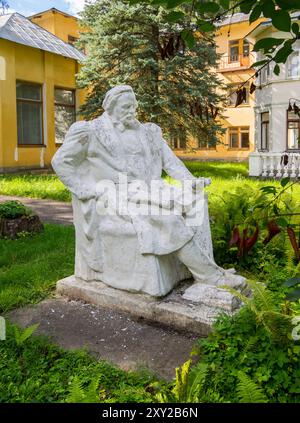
pixel 175 85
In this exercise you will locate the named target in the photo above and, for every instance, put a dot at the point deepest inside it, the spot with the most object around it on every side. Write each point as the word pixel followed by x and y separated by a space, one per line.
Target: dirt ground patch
pixel 115 337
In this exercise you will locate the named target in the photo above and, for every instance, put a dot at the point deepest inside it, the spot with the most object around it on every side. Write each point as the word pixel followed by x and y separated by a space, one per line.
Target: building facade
pixel 277 113
pixel 63 25
pixel 234 68
pixel 38 95
pixel 46 71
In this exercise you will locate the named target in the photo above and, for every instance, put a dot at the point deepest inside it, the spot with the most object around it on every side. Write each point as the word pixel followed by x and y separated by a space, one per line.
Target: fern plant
pixel 89 394
pixel 250 345
pixel 188 385
pixel 266 308
pixel 21 336
pixel 248 391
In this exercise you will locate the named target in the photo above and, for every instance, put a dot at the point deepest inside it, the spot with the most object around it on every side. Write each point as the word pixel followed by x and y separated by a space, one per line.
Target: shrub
pixel 249 357
pixel 13 210
pixel 245 219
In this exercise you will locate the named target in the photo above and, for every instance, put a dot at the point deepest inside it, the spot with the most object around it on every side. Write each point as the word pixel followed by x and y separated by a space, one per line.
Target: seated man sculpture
pixel 147 253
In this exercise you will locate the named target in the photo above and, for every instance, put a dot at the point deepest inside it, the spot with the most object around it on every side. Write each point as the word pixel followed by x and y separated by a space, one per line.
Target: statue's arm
pixel 172 165
pixel 69 156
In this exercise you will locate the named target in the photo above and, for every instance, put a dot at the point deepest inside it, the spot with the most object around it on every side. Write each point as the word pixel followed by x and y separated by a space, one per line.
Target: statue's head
pixel 120 103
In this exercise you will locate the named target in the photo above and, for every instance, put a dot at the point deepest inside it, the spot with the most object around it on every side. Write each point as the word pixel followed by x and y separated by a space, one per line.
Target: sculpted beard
pixel 129 121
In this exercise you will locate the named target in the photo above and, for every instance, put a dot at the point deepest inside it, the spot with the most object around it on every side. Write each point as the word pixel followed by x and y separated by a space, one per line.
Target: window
pixel 72 40
pixel 233 94
pixel 65 113
pixel 293 64
pixel 245 48
pixel 264 138
pixel 234 138
pixel 238 49
pixel 29 113
pixel 234 50
pixel 206 144
pixel 293 131
pixel 244 135
pixel 239 137
pixel 179 143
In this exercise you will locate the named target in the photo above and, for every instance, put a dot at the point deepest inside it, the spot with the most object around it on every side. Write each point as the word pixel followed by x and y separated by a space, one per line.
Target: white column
pixel 255 164
pixel 293 167
pixel 271 173
pixel 265 166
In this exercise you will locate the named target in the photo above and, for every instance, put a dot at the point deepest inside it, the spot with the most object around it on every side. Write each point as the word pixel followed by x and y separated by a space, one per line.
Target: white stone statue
pixel 139 252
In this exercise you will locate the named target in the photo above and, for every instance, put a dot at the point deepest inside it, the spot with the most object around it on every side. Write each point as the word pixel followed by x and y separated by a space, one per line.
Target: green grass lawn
pixel 222 170
pixel 31 266
pixel 225 176
pixel 35 186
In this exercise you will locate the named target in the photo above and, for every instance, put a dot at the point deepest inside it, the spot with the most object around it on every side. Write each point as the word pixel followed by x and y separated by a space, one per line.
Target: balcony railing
pixel 234 62
pixel 280 165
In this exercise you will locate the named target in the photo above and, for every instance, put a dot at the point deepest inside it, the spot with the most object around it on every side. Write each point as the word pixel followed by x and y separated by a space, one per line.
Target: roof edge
pixel 8 14
pixel 268 23
pixel 53 35
pixel 53 9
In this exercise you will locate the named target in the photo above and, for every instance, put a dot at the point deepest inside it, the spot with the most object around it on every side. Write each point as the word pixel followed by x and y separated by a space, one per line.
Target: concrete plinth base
pixel 172 310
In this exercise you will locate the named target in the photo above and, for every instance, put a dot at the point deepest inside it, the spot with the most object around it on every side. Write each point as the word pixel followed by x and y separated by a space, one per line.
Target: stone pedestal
pixel 192 308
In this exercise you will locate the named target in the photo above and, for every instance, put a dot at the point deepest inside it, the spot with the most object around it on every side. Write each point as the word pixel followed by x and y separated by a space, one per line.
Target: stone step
pixel 173 310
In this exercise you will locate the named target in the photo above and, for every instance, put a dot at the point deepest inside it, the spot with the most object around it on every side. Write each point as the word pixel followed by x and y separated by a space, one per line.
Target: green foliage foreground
pixel 13 210
pixel 250 357
pixel 34 370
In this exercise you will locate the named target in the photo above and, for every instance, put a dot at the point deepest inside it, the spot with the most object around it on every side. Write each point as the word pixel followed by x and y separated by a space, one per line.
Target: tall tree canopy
pixel 175 84
pixel 206 13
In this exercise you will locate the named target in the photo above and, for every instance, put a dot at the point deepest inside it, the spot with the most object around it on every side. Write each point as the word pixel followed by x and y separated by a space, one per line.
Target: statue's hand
pixel 207 181
pixel 86 194
pixel 200 183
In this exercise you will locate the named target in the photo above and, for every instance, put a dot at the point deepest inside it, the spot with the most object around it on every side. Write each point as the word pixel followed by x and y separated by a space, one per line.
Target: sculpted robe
pixel 120 250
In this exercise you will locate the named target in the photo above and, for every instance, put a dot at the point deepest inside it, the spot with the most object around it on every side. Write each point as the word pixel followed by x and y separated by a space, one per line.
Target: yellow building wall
pixel 45 20
pixel 2 78
pixel 242 115
pixel 60 24
pixel 32 65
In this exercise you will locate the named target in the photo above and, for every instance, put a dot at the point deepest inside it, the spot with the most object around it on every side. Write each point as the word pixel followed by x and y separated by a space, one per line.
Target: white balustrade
pixel 279 172
pixel 264 166
pixel 293 168
pixel 271 169
pixel 280 165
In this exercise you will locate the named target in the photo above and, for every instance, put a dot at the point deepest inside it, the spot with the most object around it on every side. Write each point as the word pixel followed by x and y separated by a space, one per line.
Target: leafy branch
pixel 208 13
